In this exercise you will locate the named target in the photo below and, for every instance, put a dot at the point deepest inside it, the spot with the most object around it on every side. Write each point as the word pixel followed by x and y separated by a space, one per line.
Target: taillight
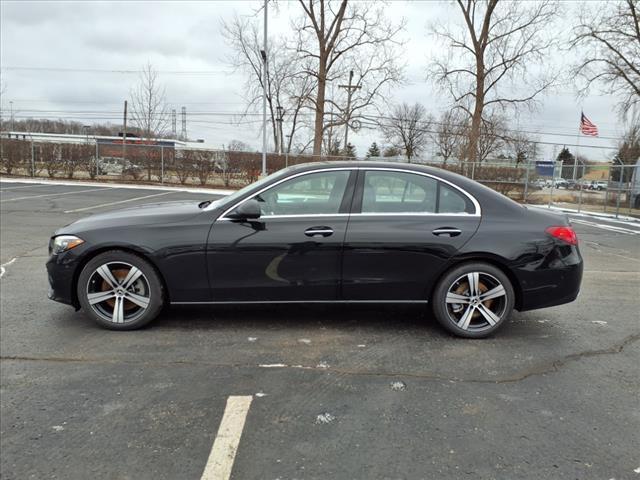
pixel 566 234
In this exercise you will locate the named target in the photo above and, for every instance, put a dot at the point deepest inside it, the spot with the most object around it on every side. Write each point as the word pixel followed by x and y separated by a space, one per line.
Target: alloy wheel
pixel 476 301
pixel 118 292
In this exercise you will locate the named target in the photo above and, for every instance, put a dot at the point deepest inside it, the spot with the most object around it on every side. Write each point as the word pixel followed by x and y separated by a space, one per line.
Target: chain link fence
pixel 602 188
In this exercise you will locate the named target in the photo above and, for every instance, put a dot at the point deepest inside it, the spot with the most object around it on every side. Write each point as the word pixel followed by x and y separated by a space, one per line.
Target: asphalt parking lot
pixel 336 392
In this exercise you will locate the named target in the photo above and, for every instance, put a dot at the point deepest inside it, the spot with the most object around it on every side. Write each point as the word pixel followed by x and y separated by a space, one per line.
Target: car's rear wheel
pixel 120 290
pixel 473 300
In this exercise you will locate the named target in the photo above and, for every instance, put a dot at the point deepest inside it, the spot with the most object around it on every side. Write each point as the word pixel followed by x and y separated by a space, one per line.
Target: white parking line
pixel 4 270
pixel 604 226
pixel 117 203
pixel 50 195
pixel 225 446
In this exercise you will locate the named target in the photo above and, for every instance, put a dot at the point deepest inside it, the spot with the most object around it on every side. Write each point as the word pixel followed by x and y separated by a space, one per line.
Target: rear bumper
pixel 556 284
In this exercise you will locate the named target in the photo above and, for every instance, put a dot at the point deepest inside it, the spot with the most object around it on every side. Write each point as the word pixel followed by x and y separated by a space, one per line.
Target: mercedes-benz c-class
pixel 339 232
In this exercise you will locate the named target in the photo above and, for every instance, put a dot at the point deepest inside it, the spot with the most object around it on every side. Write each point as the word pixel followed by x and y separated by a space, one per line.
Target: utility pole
pixel 280 112
pixel 350 88
pixel 124 137
pixel 263 52
pixel 11 113
pixel 184 123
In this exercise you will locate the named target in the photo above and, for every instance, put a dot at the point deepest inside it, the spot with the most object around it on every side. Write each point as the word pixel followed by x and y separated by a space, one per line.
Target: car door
pixel 403 229
pixel 293 251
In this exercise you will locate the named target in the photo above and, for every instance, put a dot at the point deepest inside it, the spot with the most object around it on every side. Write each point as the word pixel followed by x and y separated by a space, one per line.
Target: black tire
pixel 138 303
pixel 479 323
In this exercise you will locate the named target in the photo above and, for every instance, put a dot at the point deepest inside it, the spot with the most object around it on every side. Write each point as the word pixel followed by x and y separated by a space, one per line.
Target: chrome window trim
pixel 476 205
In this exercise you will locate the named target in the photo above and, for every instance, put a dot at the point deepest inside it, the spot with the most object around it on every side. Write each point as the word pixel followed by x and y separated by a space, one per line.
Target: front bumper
pixel 62 270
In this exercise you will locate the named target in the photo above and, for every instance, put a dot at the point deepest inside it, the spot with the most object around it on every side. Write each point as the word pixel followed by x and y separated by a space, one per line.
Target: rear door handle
pixel 318 231
pixel 448 231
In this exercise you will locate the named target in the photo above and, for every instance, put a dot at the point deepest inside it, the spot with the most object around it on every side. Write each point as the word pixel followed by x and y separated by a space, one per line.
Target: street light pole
pixel 286 152
pixel 264 94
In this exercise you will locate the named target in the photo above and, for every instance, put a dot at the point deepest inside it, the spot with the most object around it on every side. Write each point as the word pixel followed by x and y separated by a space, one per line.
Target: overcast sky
pixel 96 48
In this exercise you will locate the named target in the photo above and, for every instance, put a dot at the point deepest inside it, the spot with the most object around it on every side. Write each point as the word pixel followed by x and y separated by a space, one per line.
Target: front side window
pixel 310 194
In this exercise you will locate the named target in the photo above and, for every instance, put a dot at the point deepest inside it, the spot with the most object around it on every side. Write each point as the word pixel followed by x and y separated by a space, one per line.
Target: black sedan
pixel 348 232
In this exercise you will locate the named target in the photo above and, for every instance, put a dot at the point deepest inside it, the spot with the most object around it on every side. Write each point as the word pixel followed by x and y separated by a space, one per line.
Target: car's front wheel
pixel 120 290
pixel 473 300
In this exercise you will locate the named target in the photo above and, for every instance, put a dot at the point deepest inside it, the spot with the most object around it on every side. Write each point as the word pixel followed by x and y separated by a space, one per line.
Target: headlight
pixel 62 243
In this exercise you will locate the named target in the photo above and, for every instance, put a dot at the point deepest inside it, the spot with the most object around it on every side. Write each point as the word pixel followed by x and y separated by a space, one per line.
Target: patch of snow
pixel 304 340
pixel 398 386
pixel 324 418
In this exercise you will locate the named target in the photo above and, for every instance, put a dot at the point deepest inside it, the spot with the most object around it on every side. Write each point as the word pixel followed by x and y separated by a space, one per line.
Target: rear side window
pixel 452 201
pixel 400 192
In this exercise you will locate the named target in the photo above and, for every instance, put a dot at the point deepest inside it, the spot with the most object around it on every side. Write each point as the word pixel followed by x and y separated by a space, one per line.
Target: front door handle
pixel 318 231
pixel 448 231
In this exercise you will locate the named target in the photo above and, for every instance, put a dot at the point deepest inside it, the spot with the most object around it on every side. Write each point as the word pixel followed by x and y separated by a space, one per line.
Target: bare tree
pixel 149 113
pixel 287 89
pixel 335 37
pixel 408 128
pixel 449 134
pixel 491 138
pixel 521 146
pixel 608 42
pixel 52 159
pixel 494 54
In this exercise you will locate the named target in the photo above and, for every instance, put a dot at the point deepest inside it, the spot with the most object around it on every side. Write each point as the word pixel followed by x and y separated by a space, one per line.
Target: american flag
pixel 588 128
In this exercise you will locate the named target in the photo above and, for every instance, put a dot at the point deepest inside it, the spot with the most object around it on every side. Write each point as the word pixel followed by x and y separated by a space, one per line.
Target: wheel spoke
pixel 98 297
pixel 465 320
pixel 137 299
pixel 496 292
pixel 474 281
pixel 489 316
pixel 131 277
pixel 456 298
pixel 108 277
pixel 118 310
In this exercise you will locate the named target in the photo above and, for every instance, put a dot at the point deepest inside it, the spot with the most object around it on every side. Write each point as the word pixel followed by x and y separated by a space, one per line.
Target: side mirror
pixel 247 210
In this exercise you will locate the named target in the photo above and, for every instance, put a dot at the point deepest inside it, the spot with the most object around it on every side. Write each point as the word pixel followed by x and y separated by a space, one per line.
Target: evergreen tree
pixel 350 151
pixel 373 151
pixel 568 161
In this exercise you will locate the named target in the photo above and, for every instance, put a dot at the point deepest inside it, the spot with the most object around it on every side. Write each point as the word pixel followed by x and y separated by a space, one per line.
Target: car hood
pixel 149 214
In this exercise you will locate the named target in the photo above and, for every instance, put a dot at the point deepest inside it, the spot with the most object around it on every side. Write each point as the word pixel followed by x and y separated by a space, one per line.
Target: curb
pixel 624 219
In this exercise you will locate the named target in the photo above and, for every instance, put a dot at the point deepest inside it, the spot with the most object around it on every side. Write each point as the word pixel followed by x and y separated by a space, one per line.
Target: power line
pixel 120 71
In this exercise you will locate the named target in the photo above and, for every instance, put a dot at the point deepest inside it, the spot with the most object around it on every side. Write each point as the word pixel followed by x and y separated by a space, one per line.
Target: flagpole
pixel 575 162
pixel 578 184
